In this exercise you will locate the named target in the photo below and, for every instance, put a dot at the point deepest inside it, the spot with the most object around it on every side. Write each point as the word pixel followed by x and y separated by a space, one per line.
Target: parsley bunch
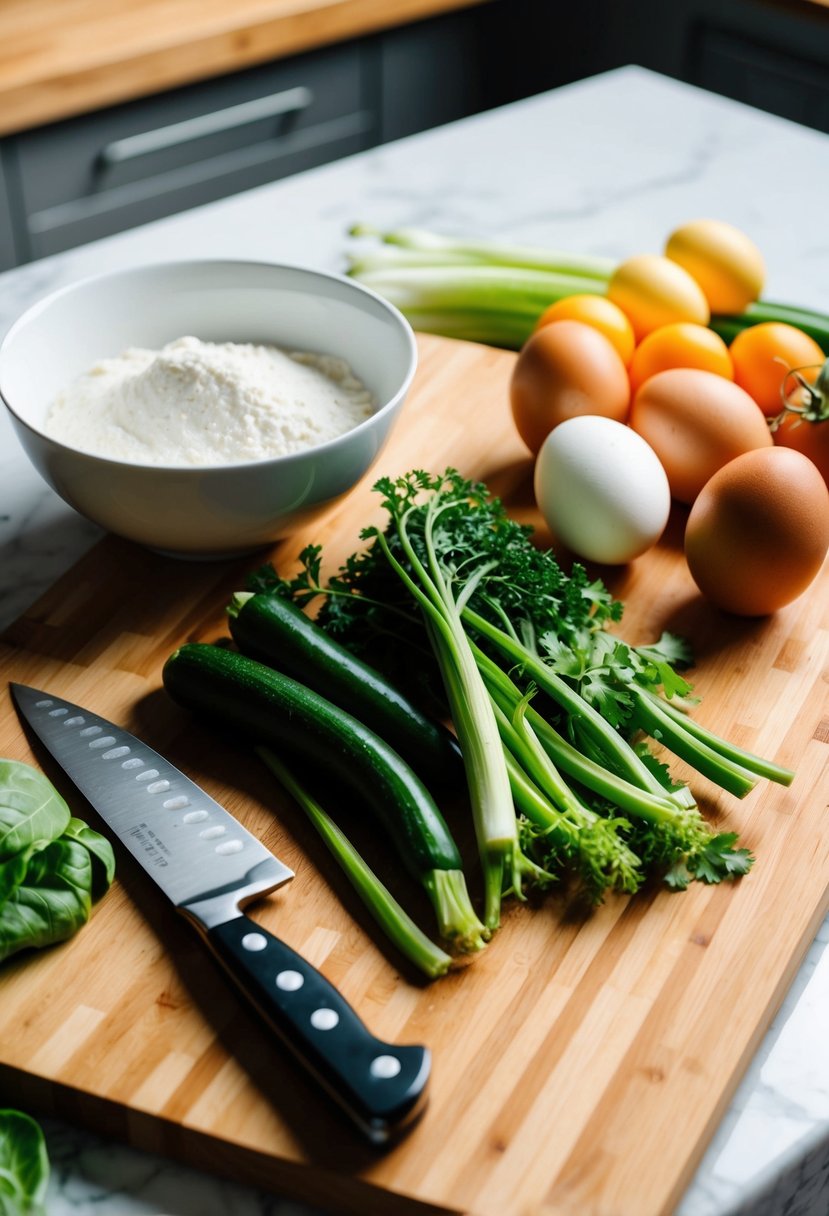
pixel 551 708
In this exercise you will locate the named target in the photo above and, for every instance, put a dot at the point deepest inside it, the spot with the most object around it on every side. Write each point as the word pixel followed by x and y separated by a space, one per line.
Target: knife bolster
pixel 224 904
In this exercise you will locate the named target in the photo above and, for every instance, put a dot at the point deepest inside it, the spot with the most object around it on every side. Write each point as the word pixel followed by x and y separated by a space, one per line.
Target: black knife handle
pixel 380 1085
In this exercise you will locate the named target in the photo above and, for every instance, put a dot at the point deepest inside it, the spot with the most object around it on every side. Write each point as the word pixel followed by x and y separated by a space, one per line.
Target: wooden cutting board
pixel 580 1064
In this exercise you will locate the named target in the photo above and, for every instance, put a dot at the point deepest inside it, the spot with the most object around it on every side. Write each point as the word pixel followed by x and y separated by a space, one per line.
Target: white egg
pixel 601 489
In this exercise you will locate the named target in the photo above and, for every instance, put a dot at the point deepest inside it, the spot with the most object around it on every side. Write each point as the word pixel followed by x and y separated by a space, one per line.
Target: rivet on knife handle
pixel 380 1085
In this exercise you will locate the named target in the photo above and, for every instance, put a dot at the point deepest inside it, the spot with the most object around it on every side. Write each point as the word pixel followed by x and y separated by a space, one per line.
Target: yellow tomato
pixel 598 312
pixel 727 265
pixel 763 355
pixel 682 344
pixel 653 291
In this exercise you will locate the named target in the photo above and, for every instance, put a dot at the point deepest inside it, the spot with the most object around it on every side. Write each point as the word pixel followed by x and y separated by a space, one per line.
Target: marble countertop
pixel 606 166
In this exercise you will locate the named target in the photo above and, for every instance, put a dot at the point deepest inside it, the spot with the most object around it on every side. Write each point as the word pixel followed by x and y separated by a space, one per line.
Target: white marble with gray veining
pixel 607 166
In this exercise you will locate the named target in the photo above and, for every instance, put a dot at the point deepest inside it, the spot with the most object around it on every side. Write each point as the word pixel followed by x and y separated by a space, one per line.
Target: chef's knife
pixel 209 867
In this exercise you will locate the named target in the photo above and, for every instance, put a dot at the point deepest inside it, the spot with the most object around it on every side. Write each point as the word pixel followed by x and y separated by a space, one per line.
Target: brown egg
pixel 758 532
pixel 696 422
pixel 566 369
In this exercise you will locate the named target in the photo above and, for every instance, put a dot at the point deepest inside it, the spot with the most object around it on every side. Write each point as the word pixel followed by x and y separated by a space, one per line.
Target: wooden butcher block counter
pixel 581 1064
pixel 65 57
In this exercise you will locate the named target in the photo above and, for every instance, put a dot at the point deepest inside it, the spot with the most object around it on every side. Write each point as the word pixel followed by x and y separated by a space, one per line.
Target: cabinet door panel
pixel 95 175
pixel 433 72
pixel 8 256
pixel 764 76
pixel 74 223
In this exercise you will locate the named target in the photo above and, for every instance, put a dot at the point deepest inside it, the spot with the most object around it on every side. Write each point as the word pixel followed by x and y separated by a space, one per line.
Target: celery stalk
pixel 430 288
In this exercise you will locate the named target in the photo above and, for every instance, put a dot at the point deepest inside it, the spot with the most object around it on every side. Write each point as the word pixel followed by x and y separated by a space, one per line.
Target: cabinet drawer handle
pixel 290 101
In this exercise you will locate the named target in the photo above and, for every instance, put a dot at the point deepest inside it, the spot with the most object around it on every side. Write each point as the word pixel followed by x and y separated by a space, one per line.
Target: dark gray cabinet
pixel 779 64
pixel 88 177
pixel 74 181
pixel 436 71
pixel 8 255
pixel 771 54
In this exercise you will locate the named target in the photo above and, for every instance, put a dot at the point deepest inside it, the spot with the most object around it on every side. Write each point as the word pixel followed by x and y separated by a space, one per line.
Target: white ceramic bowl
pixel 223 509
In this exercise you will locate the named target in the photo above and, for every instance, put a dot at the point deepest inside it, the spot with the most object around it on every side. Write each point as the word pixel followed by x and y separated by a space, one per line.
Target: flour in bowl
pixel 207 403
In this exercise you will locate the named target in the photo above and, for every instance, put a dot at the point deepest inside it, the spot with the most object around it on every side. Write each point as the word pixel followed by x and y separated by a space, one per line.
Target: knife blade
pixel 209 866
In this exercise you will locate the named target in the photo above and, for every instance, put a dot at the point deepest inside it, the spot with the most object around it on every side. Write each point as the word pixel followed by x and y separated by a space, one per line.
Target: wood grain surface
pixel 580 1064
pixel 64 57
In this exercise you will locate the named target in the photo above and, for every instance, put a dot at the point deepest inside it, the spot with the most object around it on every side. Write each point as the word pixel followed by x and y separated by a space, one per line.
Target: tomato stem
pixel 816 406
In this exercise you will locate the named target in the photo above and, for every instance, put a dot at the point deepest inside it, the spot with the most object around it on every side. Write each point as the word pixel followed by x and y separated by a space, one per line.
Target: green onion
pixel 440 250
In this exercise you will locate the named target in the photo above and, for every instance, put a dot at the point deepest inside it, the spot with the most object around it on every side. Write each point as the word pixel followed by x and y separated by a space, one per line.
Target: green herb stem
pixel 748 760
pixel 490 796
pixel 815 324
pixel 643 804
pixel 618 752
pixel 650 717
pixel 571 833
pixel 471 711
pixel 395 922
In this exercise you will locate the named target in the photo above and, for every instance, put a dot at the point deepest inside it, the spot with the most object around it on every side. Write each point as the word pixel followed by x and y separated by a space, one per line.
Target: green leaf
pixel 24 1165
pixel 100 851
pixel 672 684
pixel 12 873
pixel 659 769
pixel 679 876
pixel 719 860
pixel 264 578
pixel 612 703
pixel 567 661
pixel 52 902
pixel 715 861
pixel 669 649
pixel 32 811
pixel 656 665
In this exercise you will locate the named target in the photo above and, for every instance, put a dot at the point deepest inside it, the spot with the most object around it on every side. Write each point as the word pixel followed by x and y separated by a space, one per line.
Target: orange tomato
pixel 682 344
pixel 810 438
pixel 764 354
pixel 598 312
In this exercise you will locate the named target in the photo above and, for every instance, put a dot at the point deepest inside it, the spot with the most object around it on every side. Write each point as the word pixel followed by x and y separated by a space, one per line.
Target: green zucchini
pixel 267 707
pixel 274 630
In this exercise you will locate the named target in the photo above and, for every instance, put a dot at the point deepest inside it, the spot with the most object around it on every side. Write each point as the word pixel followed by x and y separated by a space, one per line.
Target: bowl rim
pixel 139 269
